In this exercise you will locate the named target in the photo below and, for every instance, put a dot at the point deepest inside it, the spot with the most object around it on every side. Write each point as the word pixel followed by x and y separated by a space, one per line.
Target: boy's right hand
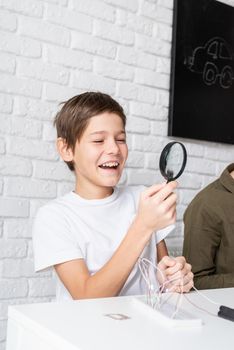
pixel 157 207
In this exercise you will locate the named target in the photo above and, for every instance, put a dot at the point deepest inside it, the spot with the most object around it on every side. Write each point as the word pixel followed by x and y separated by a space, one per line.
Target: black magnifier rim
pixel 163 159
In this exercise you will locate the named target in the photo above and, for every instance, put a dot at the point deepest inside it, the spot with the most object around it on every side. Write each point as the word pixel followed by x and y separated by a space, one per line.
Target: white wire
pixel 153 293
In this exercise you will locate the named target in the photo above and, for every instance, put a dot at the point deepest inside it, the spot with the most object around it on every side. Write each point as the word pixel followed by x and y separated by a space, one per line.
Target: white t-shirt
pixel 72 227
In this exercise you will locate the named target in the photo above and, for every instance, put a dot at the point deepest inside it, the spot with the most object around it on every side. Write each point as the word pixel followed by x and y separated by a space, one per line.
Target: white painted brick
pixel 167 3
pixel 20 126
pixel 220 152
pixel 15 268
pixel 13 248
pixel 140 24
pixel 154 46
pixel 20 46
pixel 162 31
pixel 136 58
pixel 12 207
pixel 135 160
pixel 32 148
pixel 148 143
pixel 41 287
pixel 7 63
pixel 201 166
pixel 3 310
pixel 35 109
pixel 96 46
pixel 151 161
pixel 113 69
pixel 44 31
pixel 127 90
pixel 194 149
pixel 153 79
pixel 94 8
pixel 187 195
pixel 52 171
pixel 58 93
pixel 49 132
pixel 138 125
pixel 3 329
pixel 159 128
pixel 146 94
pixel 35 204
pixel 163 65
pixel 92 82
pixel 13 288
pixel 10 165
pixel 190 181
pixel 2 146
pixel 141 177
pixel 24 187
pixel 64 188
pixel 148 111
pixel 156 12
pixel 121 17
pixel 27 7
pixel 14 85
pixel 60 2
pixel 130 5
pixel 6 103
pixel 68 58
pixel 8 21
pixel 18 228
pixel 162 97
pixel 69 19
pixel 39 70
pixel 113 33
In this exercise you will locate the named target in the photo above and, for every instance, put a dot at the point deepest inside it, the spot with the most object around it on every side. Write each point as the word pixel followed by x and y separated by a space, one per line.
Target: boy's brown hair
pixel 72 120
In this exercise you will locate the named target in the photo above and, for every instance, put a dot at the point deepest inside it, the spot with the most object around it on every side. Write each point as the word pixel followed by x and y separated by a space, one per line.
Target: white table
pixel 82 325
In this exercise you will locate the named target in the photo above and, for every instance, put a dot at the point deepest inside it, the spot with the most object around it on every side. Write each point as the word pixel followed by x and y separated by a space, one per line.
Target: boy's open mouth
pixel 109 165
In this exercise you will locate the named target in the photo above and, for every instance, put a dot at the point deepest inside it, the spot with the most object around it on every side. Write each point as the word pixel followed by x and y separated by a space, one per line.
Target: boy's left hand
pixel 176 274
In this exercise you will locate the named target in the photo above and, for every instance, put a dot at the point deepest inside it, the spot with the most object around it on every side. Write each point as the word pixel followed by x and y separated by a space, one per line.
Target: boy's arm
pixel 156 211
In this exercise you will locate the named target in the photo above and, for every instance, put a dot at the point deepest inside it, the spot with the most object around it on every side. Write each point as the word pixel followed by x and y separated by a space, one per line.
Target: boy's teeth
pixel 111 164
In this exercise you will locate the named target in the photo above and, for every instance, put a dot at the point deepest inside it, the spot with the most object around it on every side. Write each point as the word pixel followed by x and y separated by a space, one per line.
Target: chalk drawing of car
pixel 215 61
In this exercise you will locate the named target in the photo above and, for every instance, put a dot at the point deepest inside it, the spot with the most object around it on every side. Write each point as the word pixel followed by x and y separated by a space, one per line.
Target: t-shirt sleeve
pixel 161 234
pixel 53 242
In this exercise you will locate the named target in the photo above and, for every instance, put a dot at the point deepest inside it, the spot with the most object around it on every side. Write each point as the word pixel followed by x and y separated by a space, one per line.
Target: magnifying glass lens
pixel 173 160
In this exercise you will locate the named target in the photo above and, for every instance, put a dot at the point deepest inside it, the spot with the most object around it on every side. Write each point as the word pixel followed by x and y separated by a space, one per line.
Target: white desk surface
pixel 82 325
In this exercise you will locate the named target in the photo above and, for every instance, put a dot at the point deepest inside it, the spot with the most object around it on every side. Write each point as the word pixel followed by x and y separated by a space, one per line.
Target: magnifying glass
pixel 172 160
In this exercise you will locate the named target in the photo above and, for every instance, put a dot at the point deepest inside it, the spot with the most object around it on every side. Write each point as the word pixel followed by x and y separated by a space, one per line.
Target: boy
pixel 94 235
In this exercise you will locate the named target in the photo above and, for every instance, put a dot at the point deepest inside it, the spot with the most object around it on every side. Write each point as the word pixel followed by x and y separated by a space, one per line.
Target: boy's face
pixel 100 155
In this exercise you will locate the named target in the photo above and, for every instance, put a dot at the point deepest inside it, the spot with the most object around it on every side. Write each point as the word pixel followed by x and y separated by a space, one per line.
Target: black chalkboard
pixel 202 74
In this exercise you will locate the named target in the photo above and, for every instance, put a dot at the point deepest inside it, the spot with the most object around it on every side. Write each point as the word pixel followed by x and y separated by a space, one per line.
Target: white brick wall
pixel 51 50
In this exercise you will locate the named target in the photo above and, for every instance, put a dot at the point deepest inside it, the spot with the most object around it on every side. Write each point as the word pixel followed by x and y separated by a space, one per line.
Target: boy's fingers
pixel 150 191
pixel 166 262
pixel 166 191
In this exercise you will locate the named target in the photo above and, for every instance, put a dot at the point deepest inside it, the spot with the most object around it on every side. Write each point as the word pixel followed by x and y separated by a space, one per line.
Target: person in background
pixel 209 233
pixel 94 235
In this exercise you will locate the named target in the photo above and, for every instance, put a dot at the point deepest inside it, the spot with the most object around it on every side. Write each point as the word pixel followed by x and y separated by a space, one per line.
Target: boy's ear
pixel 65 152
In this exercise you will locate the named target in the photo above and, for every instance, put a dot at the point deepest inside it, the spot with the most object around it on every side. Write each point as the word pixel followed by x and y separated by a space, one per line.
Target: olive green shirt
pixel 209 234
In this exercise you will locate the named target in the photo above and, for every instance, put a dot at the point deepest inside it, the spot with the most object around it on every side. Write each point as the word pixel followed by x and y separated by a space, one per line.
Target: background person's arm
pixel 222 280
pixel 202 237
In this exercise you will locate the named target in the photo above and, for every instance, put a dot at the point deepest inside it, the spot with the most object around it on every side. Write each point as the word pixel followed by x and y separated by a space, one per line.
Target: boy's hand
pixel 157 207
pixel 176 274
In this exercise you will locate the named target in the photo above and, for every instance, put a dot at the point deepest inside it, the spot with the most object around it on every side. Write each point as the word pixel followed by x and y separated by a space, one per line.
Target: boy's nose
pixel 112 148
